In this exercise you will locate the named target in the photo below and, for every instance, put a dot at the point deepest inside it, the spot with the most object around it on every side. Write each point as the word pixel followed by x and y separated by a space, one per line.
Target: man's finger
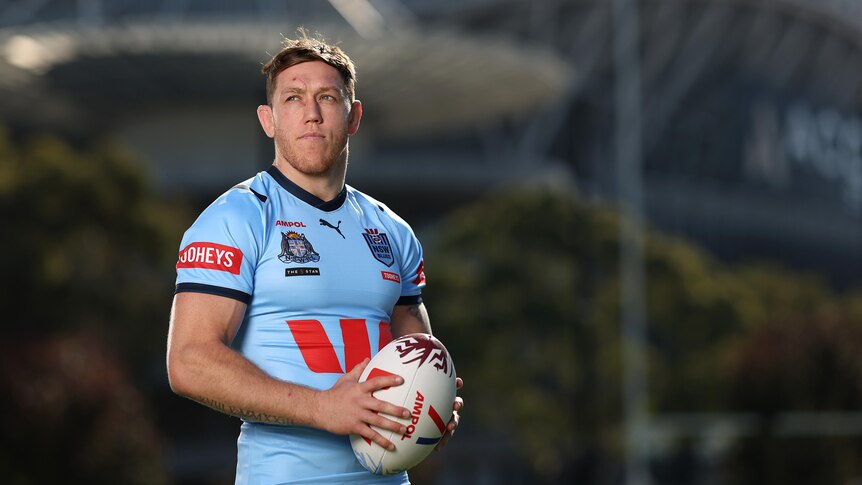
pixel 444 440
pixel 383 407
pixel 383 423
pixel 382 382
pixel 453 423
pixel 357 369
pixel 442 443
pixel 369 433
pixel 450 431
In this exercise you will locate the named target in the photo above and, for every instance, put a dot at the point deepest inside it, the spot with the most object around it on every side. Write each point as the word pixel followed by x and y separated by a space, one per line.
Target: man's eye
pixel 292 98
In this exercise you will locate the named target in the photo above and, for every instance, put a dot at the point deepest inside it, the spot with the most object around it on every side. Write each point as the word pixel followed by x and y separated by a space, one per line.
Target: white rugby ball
pixel 428 392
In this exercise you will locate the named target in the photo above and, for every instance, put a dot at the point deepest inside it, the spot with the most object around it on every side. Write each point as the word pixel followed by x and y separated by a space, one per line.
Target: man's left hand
pixel 453 423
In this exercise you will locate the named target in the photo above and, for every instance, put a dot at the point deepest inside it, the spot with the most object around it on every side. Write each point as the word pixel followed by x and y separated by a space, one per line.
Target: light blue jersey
pixel 320 280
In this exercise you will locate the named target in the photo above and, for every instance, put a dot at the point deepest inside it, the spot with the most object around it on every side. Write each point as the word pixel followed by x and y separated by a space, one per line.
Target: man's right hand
pixel 349 408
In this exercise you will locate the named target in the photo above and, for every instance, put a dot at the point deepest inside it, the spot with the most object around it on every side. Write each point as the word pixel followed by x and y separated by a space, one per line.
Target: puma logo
pixel 337 228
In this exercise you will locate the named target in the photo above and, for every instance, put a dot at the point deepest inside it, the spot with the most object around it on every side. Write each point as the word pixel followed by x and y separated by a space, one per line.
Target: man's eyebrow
pixel 332 87
pixel 297 89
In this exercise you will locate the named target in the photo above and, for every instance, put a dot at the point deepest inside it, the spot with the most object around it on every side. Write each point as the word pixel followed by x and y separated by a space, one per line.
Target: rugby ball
pixel 428 392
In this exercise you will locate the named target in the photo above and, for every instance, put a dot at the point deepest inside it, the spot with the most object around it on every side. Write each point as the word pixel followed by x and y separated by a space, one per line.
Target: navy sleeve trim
pixel 409 300
pixel 213 290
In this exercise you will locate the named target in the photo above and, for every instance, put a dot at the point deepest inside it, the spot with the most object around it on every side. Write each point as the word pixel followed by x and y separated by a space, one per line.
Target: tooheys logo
pixel 207 255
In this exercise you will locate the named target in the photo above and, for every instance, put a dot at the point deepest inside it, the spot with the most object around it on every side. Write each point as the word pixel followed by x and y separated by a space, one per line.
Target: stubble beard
pixel 312 165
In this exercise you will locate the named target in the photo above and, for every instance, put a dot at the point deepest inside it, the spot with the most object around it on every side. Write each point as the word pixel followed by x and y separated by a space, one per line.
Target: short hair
pixel 306 49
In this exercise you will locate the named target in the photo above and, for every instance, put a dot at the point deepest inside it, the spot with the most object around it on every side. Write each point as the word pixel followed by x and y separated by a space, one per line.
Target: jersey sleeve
pixel 412 262
pixel 412 268
pixel 219 251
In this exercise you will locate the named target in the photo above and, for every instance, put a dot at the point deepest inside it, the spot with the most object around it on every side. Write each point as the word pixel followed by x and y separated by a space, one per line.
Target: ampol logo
pixel 414 420
pixel 289 223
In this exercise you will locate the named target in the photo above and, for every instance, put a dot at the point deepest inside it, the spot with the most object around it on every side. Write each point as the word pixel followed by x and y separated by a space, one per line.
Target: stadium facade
pixel 751 146
pixel 752 142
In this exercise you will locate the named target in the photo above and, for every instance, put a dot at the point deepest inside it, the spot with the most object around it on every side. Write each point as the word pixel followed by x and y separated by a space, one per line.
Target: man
pixel 289 282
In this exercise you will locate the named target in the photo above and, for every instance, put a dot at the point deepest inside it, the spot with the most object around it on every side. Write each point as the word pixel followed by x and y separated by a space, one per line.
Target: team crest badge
pixel 378 243
pixel 295 248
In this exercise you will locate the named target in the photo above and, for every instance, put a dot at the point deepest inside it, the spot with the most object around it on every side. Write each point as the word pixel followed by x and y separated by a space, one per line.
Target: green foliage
pixel 86 241
pixel 518 285
pixel 524 290
pixel 87 257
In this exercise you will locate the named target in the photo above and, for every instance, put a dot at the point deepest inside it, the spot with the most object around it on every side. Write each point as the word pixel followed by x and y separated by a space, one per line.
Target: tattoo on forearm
pixel 243 413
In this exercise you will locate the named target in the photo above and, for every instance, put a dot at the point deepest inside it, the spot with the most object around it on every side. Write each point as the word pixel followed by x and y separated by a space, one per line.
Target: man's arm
pixel 202 366
pixel 407 319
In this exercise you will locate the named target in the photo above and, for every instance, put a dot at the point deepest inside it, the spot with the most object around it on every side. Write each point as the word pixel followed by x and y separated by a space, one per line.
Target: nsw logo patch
pixel 378 243
pixel 295 248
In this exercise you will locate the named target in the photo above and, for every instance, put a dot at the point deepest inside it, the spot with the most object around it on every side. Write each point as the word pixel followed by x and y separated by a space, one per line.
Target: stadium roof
pixel 88 64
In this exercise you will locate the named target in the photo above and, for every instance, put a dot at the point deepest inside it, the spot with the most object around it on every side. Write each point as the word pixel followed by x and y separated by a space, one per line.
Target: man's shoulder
pixel 243 200
pixel 384 214
pixel 255 186
pixel 369 202
pixel 253 192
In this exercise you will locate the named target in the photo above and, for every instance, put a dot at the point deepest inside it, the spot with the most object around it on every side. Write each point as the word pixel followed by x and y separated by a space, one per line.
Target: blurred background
pixel 642 223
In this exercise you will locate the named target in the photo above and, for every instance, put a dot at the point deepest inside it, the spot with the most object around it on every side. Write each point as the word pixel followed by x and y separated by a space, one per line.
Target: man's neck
pixel 325 186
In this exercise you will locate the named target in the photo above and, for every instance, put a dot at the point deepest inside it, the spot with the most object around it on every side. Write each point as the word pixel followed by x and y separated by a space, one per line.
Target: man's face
pixel 310 117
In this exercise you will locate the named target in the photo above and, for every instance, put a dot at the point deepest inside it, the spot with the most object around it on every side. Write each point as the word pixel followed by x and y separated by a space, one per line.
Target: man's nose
pixel 312 112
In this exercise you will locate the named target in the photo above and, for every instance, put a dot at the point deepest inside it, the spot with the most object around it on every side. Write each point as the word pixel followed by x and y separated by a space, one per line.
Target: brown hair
pixel 305 49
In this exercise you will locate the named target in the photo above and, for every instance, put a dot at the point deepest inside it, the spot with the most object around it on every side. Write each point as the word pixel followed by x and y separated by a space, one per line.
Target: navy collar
pixel 304 195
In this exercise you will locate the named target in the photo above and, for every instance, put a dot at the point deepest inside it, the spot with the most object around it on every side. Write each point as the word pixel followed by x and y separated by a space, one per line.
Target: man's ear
pixel 354 117
pixel 264 115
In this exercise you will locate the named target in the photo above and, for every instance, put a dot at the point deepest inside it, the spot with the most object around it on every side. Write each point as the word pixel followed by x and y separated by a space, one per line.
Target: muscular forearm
pixel 202 366
pixel 219 377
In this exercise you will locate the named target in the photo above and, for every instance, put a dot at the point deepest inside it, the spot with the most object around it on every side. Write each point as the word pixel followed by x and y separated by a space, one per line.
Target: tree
pixel 806 362
pixel 86 255
pixel 524 291
pixel 520 287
